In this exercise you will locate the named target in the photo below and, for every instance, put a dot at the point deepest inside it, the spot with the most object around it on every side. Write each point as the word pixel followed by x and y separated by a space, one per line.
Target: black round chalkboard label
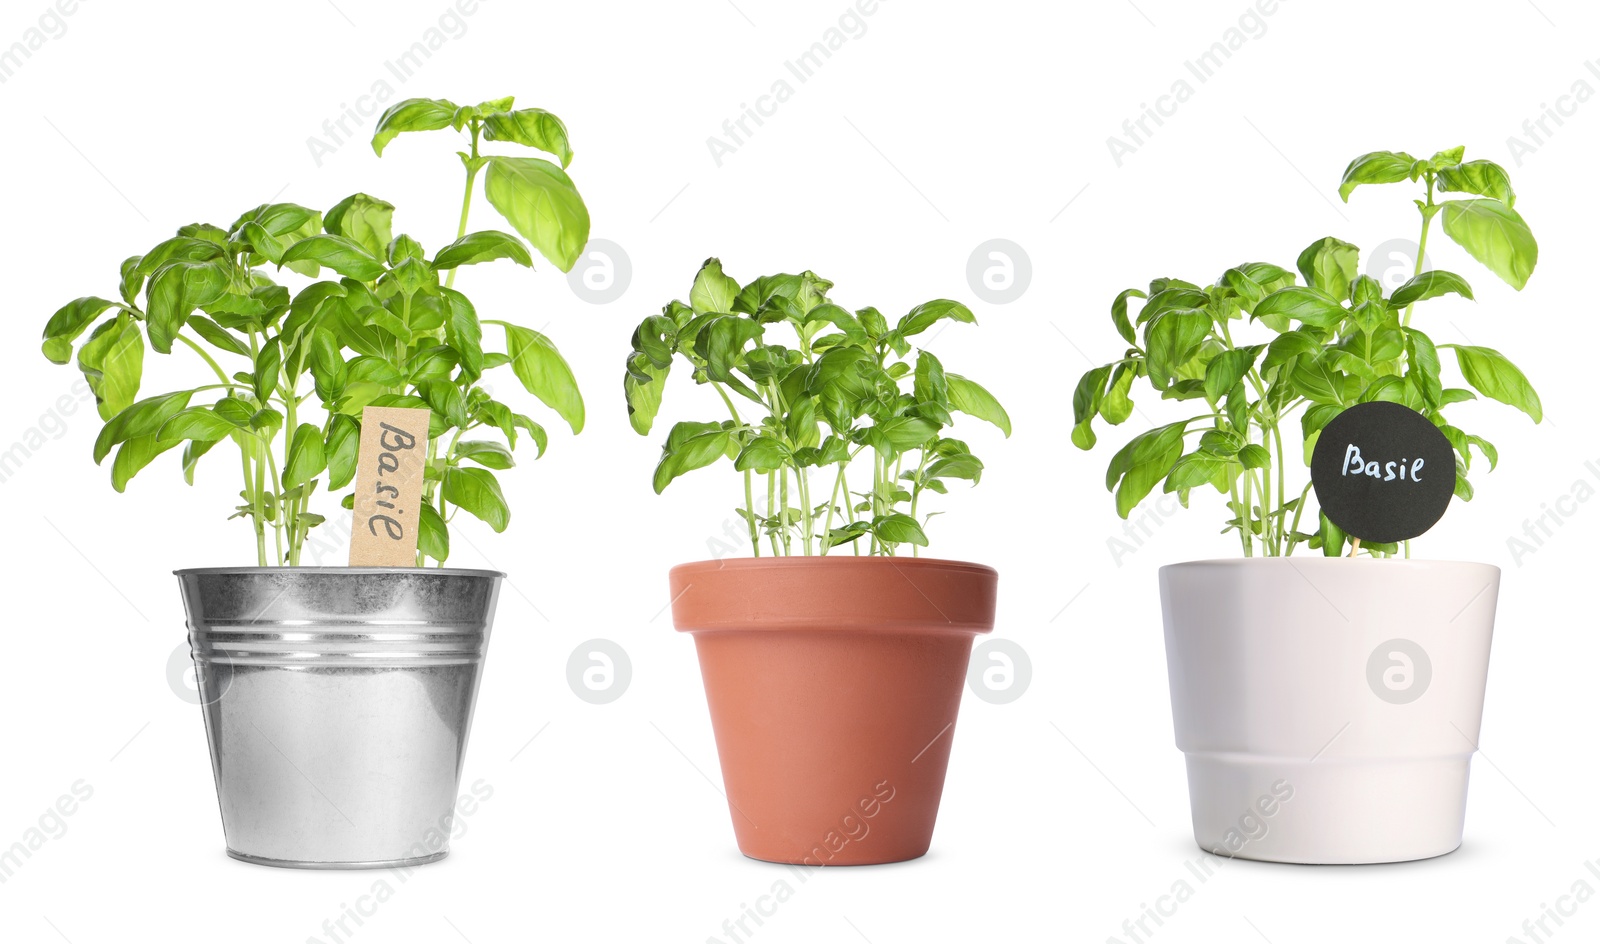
pixel 1383 472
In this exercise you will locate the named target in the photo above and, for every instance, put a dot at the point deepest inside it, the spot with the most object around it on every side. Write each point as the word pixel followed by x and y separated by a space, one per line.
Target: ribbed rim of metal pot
pixel 442 571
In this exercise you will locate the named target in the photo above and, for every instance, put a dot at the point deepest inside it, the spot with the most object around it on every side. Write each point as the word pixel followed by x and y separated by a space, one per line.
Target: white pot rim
pixel 1409 563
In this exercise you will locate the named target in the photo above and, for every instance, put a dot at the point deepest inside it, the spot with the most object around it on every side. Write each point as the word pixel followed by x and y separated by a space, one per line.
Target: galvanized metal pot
pixel 337 703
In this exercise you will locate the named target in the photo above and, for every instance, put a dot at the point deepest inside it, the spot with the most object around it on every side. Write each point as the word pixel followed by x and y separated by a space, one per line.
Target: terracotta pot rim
pixel 817 561
pixel 834 595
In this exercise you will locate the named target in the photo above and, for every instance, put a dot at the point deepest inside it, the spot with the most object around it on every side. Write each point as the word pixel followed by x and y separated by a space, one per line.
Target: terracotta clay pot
pixel 833 684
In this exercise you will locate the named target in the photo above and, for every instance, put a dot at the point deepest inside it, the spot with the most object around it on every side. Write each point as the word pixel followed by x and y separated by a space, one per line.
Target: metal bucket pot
pixel 337 703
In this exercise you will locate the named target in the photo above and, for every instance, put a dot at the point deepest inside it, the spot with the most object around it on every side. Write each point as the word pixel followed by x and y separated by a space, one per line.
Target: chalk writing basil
pixel 833 391
pixel 379 324
pixel 1322 338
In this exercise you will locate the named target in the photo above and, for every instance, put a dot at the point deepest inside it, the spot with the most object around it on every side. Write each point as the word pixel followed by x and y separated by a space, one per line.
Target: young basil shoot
pixel 833 391
pixel 1326 342
pixel 381 330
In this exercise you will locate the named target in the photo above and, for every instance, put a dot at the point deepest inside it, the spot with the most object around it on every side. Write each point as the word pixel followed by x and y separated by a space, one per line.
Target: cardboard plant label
pixel 1383 472
pixel 388 487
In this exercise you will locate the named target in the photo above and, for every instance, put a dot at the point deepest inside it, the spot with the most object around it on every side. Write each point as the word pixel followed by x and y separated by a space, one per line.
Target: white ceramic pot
pixel 1328 708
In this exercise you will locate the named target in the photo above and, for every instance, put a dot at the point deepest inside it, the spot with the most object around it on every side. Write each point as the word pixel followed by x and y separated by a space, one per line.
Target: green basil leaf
pixel 366 220
pixel 907 432
pixel 1498 379
pixel 899 529
pixel 463 333
pixel 70 321
pixel 200 423
pixel 1086 399
pixel 192 451
pixel 1172 339
pixel 132 280
pixel 925 315
pixel 1376 167
pixel 1305 305
pixel 478 492
pixel 530 127
pixel 142 419
pixel 969 397
pixel 1116 406
pixel 690 446
pixel 339 253
pixel 307 458
pixel 176 290
pixel 541 202
pixel 1495 235
pixel 1172 298
pixel 1119 314
pixel 545 373
pixel 1143 462
pixel 1430 284
pixel 762 454
pixel 134 455
pixel 713 291
pixel 268 368
pixel 483 247
pixel 433 535
pixel 1268 276
pixel 1289 345
pixel 966 466
pixel 1194 470
pixel 446 400
pixel 1423 359
pixel 1329 265
pixel 489 454
pixel 1484 178
pixel 179 248
pixel 413 114
pixel 644 396
pixel 218 336
pixel 340 448
pixel 1255 456
pixel 1227 369
pixel 534 430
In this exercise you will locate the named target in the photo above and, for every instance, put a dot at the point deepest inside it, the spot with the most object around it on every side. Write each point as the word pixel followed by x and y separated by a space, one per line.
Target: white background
pixel 942 126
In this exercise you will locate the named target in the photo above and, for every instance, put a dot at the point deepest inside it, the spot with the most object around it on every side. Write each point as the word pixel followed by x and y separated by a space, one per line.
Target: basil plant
pixel 1264 349
pixel 831 395
pixel 287 373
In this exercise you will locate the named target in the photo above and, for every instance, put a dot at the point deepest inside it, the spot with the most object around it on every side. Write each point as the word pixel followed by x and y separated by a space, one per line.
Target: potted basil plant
pixel 1339 694
pixel 833 657
pixel 337 700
